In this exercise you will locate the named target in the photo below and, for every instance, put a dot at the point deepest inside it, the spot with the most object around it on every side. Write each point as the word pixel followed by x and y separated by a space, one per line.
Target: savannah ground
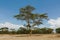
pixel 27 37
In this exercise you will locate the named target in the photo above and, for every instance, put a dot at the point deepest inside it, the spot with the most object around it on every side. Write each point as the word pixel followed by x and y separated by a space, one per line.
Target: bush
pixel 57 30
pixel 46 30
pixel 22 30
pixel 35 31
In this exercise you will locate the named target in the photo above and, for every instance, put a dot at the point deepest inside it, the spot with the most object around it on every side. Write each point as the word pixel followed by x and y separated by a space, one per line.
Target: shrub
pixel 57 30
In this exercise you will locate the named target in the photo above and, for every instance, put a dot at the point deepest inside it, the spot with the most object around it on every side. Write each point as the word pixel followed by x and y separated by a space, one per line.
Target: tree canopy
pixel 26 13
pixel 30 17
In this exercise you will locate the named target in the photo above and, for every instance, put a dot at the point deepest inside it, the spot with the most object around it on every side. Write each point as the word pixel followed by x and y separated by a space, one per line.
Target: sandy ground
pixel 33 37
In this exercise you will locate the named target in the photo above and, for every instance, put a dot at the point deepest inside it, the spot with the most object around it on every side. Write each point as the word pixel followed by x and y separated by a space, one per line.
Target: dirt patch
pixel 33 37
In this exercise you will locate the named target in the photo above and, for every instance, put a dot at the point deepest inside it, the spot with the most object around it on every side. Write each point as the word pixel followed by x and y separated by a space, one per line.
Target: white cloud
pixel 10 25
pixel 55 23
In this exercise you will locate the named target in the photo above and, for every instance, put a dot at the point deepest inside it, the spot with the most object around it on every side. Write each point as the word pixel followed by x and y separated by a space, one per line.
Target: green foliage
pixel 43 31
pixel 46 30
pixel 57 30
pixel 33 18
pixel 35 31
pixel 4 30
pixel 27 15
pixel 22 30
pixel 12 31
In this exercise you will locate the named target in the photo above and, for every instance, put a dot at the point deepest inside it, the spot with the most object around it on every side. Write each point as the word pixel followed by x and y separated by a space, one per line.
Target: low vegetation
pixel 23 30
pixel 57 30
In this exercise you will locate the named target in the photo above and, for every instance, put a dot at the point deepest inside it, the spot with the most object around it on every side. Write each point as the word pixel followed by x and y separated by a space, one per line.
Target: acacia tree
pixel 32 19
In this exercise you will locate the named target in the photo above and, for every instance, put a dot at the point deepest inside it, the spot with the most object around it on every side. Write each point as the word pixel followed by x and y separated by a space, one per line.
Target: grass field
pixel 33 37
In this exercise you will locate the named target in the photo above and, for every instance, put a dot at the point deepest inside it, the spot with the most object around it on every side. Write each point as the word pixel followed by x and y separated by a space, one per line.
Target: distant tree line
pixel 23 30
pixel 35 31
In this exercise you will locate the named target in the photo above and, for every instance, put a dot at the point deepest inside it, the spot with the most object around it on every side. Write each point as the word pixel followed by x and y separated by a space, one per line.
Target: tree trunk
pixel 29 27
pixel 30 32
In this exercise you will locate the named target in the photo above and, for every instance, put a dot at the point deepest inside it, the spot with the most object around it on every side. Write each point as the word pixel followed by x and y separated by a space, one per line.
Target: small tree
pixel 12 31
pixel 30 17
pixel 46 30
pixel 22 30
pixel 57 30
pixel 4 30
pixel 49 30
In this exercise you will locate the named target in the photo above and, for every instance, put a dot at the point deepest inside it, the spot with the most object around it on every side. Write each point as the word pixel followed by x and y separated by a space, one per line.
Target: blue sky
pixel 9 8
